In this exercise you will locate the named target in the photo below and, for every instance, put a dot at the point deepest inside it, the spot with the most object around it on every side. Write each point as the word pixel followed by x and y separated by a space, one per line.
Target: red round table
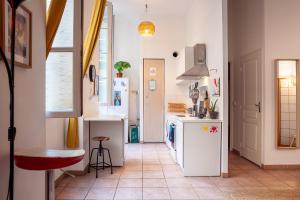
pixel 48 160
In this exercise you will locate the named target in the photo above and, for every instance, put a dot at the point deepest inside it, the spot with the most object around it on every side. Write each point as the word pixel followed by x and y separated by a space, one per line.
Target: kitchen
pixel 197 128
pixel 176 40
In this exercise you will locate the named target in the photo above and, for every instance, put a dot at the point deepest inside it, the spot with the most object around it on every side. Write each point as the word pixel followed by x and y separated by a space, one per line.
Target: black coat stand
pixel 14 4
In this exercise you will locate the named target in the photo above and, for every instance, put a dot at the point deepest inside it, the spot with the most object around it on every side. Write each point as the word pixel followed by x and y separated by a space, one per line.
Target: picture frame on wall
pixel 23 45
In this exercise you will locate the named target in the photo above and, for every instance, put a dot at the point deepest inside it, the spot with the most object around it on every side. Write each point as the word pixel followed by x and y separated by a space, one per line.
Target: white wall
pixel 130 46
pixel 206 22
pixel 29 114
pixel 273 27
pixel 127 48
pixel 169 37
pixel 282 31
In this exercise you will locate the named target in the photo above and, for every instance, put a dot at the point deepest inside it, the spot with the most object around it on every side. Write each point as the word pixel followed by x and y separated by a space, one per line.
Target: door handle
pixel 258 106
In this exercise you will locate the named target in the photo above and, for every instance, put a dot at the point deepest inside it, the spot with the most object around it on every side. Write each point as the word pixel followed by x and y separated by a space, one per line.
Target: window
pixel 105 57
pixel 64 65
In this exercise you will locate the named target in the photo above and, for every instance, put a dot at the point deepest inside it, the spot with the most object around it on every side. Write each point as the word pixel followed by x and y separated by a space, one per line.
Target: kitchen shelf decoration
pixel 287 103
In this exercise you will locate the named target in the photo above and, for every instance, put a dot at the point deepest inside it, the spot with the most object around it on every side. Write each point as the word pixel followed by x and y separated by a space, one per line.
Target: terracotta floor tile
pixel 130 182
pixel 131 174
pixel 183 193
pixel 201 182
pixel 101 193
pixel 128 193
pixel 152 167
pixel 73 193
pixel 178 182
pixel 156 193
pixel 112 183
pixel 210 193
pixel 154 183
pixel 153 174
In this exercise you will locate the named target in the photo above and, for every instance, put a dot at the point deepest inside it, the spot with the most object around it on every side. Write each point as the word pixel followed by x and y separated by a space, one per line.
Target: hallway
pixel 150 173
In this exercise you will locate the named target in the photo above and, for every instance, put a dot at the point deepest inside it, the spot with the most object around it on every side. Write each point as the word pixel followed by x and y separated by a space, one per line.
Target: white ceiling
pixel 155 7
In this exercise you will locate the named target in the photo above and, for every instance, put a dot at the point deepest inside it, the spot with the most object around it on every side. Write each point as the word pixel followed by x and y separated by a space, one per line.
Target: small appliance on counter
pixel 194 95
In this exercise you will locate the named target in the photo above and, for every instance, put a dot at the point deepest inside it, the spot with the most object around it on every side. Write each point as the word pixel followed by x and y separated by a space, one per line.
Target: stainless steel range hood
pixel 198 68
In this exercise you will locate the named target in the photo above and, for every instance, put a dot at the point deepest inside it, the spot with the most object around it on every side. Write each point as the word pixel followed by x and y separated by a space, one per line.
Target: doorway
pixel 154 97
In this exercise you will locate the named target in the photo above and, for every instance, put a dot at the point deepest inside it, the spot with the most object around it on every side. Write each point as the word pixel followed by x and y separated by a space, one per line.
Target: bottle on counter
pixel 206 103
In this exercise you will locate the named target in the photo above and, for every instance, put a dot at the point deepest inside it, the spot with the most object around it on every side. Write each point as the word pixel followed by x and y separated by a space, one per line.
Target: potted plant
pixel 120 67
pixel 212 110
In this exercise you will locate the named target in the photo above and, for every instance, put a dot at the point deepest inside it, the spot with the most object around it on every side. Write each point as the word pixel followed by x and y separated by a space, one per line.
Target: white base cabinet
pixel 179 143
pixel 198 148
pixel 197 145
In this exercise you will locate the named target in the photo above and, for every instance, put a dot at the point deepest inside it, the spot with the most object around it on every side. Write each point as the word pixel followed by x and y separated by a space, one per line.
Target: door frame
pixel 143 96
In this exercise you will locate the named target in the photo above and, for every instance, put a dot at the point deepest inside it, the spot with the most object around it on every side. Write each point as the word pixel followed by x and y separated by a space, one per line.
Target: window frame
pixel 77 64
pixel 109 57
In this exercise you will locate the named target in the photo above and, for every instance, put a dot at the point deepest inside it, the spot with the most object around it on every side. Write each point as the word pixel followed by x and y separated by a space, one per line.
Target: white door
pixel 251 66
pixel 154 84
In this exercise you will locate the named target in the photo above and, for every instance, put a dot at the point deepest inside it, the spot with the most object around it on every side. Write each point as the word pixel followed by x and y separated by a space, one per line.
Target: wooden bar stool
pixel 100 153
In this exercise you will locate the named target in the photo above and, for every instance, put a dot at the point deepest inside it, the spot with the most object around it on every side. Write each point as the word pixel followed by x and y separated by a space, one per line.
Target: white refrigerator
pixel 120 100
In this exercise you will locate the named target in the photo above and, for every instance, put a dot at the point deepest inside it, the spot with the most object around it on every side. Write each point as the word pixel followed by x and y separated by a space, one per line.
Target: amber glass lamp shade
pixel 146 29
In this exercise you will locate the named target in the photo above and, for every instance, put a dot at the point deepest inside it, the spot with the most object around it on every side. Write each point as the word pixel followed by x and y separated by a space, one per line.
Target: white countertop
pixel 104 117
pixel 187 118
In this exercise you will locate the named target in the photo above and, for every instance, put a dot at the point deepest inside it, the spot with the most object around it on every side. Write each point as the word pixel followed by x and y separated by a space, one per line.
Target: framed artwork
pixel 23 45
pixel 117 98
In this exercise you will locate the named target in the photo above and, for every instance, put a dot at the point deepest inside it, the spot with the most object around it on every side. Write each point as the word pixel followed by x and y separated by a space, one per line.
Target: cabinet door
pixel 179 143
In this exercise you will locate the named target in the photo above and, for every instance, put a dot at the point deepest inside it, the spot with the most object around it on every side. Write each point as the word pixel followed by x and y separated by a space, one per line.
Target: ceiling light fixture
pixel 146 28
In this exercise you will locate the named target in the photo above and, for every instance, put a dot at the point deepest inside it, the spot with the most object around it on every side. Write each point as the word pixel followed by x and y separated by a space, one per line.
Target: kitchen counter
pixel 186 118
pixel 108 125
pixel 104 117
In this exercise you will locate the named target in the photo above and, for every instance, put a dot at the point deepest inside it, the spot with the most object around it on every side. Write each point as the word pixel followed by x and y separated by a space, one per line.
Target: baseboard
pixel 73 172
pixel 59 179
pixel 225 175
pixel 79 172
pixel 280 166
pixel 236 152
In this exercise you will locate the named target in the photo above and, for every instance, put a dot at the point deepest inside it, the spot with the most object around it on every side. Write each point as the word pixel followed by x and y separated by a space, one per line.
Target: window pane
pixel 104 55
pixel 103 40
pixel 64 35
pixel 103 90
pixel 59 82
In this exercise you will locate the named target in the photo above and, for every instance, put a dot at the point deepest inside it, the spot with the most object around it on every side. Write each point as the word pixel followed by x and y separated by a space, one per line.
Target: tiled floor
pixel 150 173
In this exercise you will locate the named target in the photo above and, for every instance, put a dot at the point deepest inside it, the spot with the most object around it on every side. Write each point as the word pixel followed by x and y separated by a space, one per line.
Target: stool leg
pixel 90 159
pixel 97 164
pixel 103 159
pixel 111 169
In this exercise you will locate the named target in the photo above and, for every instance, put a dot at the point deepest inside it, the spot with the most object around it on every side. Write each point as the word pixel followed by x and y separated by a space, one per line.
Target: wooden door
pixel 154 85
pixel 251 66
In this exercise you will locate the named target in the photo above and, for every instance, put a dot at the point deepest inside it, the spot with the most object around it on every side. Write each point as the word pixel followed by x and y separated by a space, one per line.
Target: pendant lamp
pixel 146 28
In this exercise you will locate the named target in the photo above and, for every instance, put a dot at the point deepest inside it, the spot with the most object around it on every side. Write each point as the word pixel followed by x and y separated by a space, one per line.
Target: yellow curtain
pixel 93 33
pixel 72 135
pixel 54 15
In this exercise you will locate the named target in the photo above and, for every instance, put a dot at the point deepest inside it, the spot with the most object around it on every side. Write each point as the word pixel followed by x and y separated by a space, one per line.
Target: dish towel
pixel 172 132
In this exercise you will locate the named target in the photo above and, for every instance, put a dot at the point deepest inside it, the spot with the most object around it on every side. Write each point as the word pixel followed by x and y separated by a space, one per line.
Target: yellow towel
pixel 72 136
